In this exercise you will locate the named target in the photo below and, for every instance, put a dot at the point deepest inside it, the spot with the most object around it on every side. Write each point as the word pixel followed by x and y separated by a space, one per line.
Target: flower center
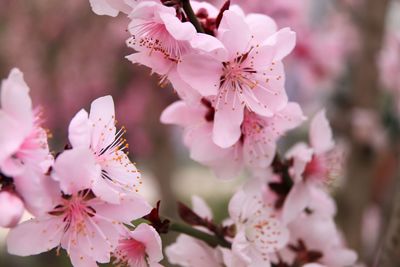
pixel 130 252
pixel 154 37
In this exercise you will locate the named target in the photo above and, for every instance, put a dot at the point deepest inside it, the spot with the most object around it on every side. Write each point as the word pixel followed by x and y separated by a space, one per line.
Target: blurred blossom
pixel 367 128
pixel 389 64
pixel 61 61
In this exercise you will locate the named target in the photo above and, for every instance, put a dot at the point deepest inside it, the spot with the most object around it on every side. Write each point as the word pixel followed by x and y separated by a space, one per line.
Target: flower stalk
pixel 211 240
pixel 191 15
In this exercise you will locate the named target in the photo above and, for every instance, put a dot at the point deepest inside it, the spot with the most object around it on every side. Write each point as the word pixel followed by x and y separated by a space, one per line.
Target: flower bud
pixel 11 209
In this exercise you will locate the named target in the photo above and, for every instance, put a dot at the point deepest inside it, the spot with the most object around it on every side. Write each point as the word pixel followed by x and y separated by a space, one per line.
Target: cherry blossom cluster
pixel 226 67
pixel 83 199
pixel 282 218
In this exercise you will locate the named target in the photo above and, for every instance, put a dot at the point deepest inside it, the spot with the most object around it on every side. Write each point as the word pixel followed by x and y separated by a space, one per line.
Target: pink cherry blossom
pixel 259 231
pixel 86 226
pixel 140 248
pixel 310 228
pixel 110 7
pixel 247 73
pixel 96 134
pixel 23 141
pixel 258 136
pixel 11 209
pixel 160 40
pixel 312 165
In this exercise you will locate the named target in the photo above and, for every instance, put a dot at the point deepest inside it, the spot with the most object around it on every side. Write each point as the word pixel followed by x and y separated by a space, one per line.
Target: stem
pixel 211 240
pixel 191 16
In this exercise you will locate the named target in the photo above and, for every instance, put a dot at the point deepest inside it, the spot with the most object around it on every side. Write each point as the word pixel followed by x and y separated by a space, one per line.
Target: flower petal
pixel 295 203
pixel 202 72
pixel 102 117
pixel 79 130
pixel 320 133
pixel 38 236
pixel 261 27
pixel 76 170
pixel 15 100
pixel 232 24
pixel 227 121
pixel 201 208
pixel 183 31
pixel 11 209
pixel 284 42
pixel 148 236
pixel 131 207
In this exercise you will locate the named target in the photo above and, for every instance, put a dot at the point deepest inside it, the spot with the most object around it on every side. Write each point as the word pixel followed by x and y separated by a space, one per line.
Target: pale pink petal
pixel 106 190
pixel 227 121
pixel 94 242
pixel 261 27
pixel 262 57
pixel 284 42
pixel 259 154
pixel 290 117
pixel 183 31
pixel 340 257
pixel 202 148
pixel 11 209
pixel 201 208
pixel 230 25
pixel 320 133
pixel 148 236
pixel 11 137
pixel 295 203
pixel 187 251
pixel 76 170
pixel 228 167
pixel 321 202
pixel 102 7
pixel 231 259
pixel 181 114
pixel 314 265
pixel 270 91
pixel 12 166
pixel 79 259
pixel 131 207
pixel 38 236
pixel 40 192
pixel 79 130
pixel 102 117
pixel 120 173
pixel 276 237
pixel 182 88
pixel 157 62
pixel 240 247
pixel 210 45
pixel 202 72
pixel 301 154
pixel 149 9
pixel 15 99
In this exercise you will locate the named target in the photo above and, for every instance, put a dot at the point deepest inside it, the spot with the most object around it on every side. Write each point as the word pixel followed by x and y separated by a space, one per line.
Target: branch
pixel 211 240
pixel 191 16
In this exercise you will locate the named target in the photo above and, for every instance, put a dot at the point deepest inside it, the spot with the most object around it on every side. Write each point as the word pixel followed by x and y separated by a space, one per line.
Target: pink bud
pixel 11 209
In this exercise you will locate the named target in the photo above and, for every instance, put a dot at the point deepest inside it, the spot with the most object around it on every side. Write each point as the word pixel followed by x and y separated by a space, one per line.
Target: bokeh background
pixel 347 60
